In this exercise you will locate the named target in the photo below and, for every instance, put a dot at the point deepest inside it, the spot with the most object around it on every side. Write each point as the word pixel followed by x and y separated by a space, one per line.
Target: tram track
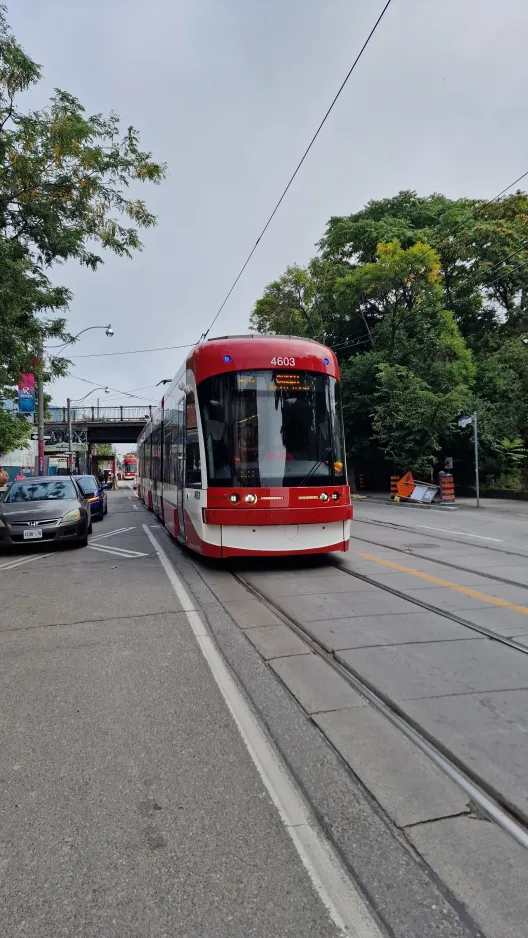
pixel 429 607
pixel 440 561
pixel 391 526
pixel 482 795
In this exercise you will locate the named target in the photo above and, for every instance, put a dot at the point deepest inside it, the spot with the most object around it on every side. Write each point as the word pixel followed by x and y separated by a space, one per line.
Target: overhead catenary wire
pixel 138 351
pixel 117 390
pixel 506 273
pixel 297 168
pixel 480 205
pixel 495 268
pixel 164 348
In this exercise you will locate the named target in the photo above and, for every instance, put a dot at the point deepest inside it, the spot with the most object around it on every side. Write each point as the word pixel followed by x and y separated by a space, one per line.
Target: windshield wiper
pixel 315 466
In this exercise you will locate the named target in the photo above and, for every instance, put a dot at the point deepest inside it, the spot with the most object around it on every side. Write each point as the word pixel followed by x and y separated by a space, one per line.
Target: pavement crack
pixel 66 625
pixel 442 817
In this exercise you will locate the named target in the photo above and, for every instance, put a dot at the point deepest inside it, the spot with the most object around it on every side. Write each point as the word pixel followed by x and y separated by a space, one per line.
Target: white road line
pixel 117 551
pixel 481 537
pixel 329 877
pixel 120 550
pixel 98 537
pixel 18 563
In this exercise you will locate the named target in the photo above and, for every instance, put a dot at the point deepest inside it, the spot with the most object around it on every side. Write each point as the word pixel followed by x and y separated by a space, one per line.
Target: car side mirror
pixel 104 485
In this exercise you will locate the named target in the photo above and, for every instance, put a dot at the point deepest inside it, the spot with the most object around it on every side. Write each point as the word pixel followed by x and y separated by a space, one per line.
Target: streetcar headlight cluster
pixel 250 499
pixel 234 498
pixel 335 496
pixel 324 497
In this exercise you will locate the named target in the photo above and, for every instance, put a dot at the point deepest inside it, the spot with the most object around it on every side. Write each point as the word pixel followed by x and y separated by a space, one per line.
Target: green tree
pixel 418 371
pixel 410 419
pixel 301 302
pixel 64 177
pixel 482 248
pixel 104 450
pixel 14 431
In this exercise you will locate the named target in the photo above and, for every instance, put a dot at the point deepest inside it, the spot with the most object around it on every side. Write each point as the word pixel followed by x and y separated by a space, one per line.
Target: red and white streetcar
pixel 129 466
pixel 246 453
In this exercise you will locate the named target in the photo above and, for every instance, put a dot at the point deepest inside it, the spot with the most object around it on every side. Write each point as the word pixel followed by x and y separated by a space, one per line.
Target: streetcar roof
pixel 251 351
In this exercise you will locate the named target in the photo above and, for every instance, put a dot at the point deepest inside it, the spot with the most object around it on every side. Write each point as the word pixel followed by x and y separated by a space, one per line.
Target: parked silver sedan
pixel 47 508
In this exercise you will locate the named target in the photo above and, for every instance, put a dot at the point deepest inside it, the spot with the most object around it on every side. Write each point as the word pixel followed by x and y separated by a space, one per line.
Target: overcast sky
pixel 228 93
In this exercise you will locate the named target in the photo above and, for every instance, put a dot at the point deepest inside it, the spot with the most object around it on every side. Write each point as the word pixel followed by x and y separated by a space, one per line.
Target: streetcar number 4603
pixel 280 361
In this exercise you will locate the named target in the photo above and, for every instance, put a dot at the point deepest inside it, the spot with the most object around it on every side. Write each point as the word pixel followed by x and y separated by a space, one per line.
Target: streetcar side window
pixel 193 471
pixel 168 478
pixel 178 438
pixel 156 454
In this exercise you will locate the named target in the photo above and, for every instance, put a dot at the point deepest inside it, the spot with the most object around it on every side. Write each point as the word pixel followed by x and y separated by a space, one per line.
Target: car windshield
pixel 34 491
pixel 88 484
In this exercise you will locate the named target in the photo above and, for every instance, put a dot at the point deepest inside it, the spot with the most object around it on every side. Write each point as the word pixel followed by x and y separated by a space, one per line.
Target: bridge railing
pixel 100 414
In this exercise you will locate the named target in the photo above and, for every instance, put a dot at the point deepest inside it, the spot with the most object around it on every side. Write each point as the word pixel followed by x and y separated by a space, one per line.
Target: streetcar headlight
pixel 324 497
pixel 234 498
pixel 335 496
pixel 250 499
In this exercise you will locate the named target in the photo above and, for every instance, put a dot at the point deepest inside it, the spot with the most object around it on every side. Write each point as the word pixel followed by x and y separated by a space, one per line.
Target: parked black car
pixel 45 508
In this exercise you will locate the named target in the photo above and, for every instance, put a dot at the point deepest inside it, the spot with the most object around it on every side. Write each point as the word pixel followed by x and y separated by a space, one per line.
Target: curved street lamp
pixel 108 332
pixel 106 389
pixel 40 427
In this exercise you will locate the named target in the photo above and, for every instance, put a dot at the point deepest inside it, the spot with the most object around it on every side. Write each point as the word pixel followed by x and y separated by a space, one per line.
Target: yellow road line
pixel 503 603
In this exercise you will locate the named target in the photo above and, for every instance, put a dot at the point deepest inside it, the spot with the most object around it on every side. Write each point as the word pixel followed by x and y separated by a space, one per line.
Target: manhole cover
pixel 420 546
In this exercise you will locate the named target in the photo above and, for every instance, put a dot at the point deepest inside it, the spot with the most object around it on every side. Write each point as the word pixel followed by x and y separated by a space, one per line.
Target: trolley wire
pixel 117 390
pixel 473 280
pixel 137 351
pixel 297 168
pixel 476 208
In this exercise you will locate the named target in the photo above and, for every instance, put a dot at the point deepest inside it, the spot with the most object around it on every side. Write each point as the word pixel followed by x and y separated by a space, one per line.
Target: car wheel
pixel 90 528
pixel 105 509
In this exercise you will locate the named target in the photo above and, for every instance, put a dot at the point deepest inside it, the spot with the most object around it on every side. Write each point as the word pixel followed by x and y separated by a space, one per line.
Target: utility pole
pixel 475 441
pixel 40 403
pixel 70 454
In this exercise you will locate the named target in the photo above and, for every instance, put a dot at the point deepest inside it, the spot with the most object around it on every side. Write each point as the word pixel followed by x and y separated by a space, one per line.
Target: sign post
pixel 475 441
pixel 465 422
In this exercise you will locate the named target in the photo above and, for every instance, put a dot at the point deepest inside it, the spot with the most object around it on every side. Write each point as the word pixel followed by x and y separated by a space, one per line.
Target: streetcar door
pixel 193 472
pixel 180 468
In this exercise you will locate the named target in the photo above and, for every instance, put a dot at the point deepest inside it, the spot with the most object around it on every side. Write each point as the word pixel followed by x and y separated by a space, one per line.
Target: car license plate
pixel 34 535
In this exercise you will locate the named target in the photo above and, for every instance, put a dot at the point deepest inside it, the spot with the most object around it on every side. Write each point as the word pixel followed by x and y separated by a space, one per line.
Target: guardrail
pixel 100 414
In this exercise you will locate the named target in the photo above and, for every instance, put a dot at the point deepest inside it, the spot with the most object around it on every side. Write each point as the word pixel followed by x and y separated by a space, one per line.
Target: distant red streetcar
pixel 129 466
pixel 246 453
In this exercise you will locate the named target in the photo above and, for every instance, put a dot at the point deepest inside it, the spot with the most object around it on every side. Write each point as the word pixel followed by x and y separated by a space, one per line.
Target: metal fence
pixel 100 414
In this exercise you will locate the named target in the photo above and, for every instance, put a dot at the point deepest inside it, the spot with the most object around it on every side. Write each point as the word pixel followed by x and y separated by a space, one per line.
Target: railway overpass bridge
pixel 93 425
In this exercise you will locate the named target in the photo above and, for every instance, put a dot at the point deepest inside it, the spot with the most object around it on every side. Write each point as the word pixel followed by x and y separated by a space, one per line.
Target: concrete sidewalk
pixel 504 505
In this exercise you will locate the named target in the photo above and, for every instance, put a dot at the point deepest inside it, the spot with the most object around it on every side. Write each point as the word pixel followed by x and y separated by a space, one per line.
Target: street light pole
pixel 40 400
pixel 70 454
pixel 475 441
pixel 40 416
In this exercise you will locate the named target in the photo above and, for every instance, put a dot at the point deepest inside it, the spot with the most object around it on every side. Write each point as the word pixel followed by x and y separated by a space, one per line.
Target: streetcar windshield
pixel 272 429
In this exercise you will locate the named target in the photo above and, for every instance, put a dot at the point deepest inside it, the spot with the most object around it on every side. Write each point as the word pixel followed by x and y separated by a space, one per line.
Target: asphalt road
pixel 130 806
pixel 175 762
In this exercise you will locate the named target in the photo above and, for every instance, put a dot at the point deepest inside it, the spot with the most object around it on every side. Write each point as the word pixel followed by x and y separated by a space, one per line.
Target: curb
pixel 381 499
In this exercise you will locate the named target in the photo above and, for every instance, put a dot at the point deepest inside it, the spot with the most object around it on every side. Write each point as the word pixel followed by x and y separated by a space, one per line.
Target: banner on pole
pixel 26 394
